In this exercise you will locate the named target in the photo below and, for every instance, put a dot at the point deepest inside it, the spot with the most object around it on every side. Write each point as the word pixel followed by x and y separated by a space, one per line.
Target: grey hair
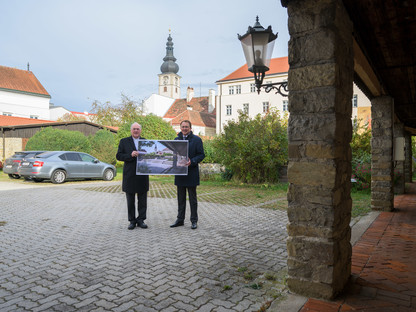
pixel 135 123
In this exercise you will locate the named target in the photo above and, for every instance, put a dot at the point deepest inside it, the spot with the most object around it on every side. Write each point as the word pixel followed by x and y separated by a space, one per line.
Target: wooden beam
pixel 364 70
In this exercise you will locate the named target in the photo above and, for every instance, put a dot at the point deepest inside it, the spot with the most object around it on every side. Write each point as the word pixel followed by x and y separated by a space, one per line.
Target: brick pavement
pixel 67 248
pixel 383 265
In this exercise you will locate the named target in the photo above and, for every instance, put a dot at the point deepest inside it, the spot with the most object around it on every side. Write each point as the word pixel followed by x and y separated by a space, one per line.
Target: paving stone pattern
pixel 67 248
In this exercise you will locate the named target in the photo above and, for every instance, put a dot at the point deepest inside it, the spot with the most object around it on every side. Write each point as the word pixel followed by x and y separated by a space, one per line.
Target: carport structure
pixel 333 43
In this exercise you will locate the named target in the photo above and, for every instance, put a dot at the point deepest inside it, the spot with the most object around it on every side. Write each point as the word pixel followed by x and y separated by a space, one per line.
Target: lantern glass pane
pixel 247 45
pixel 268 53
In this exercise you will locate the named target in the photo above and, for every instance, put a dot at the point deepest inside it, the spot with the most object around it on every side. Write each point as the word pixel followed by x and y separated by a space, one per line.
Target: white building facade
pixel 22 95
pixel 237 92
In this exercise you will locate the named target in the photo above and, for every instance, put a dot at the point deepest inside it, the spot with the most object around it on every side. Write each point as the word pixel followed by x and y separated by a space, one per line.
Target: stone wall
pixel 12 145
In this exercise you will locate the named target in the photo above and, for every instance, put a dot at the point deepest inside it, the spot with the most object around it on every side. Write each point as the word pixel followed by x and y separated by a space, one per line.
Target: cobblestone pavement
pixel 67 248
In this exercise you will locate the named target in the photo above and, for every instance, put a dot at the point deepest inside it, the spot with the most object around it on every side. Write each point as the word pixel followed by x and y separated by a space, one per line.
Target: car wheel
pixel 58 176
pixel 14 176
pixel 37 180
pixel 108 175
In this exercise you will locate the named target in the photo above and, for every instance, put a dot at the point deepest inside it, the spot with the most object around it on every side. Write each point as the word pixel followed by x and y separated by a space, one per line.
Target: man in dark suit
pixel 132 183
pixel 189 182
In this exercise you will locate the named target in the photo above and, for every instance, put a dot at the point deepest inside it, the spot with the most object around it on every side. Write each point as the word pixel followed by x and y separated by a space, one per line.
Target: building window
pixel 245 108
pixel 252 87
pixel 228 107
pixel 355 100
pixel 165 89
pixel 34 117
pixel 285 105
pixel 231 90
pixel 238 89
pixel 7 114
pixel 265 107
pixel 176 90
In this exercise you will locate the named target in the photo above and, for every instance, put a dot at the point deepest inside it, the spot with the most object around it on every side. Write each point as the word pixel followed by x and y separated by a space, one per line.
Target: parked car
pixel 11 165
pixel 59 166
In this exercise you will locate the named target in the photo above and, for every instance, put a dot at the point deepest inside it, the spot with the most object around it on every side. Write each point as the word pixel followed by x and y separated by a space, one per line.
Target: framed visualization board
pixel 162 157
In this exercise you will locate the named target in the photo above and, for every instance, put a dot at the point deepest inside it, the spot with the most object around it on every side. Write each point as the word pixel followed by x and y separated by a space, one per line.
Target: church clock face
pixel 165 80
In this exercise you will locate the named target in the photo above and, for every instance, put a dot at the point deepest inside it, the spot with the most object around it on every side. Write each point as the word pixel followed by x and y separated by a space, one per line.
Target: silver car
pixel 59 166
pixel 11 165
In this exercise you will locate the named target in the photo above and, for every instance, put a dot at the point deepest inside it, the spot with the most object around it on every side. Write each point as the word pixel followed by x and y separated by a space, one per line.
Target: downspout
pixel 219 111
pixel 4 144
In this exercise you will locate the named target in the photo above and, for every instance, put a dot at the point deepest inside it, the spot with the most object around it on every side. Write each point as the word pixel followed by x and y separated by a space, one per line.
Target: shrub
pixel 361 172
pixel 361 156
pixel 361 140
pixel 210 156
pixel 50 139
pixel 254 149
pixel 103 146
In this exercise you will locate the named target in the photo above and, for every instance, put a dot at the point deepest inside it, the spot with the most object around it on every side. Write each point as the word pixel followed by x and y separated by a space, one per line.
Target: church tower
pixel 169 80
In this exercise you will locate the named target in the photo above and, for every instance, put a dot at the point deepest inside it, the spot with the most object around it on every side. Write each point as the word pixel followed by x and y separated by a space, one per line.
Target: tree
pixel 153 128
pixel 115 115
pixel 254 149
pixel 50 139
pixel 70 117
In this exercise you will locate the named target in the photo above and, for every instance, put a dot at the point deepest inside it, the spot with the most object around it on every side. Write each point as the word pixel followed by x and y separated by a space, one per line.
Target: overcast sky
pixel 86 50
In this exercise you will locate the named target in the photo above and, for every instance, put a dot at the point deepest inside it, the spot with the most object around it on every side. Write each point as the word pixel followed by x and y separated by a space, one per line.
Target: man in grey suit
pixel 132 183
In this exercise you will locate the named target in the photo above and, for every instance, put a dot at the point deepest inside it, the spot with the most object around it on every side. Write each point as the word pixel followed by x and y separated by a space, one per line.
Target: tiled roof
pixel 82 113
pixel 10 121
pixel 198 104
pixel 112 127
pixel 277 65
pixel 18 121
pixel 20 80
pixel 196 118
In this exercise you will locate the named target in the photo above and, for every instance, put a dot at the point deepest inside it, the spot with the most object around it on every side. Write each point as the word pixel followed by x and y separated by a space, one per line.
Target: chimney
pixel 189 94
pixel 211 100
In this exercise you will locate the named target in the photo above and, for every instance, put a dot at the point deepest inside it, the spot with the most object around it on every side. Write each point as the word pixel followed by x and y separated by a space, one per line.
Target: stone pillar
pixel 408 164
pixel 382 153
pixel 398 169
pixel 319 130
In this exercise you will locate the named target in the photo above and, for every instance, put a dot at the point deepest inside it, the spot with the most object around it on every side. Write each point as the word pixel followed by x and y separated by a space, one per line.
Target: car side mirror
pixel 96 161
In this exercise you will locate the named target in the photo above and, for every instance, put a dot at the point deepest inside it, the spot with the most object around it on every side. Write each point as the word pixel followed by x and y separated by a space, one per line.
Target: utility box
pixel 399 149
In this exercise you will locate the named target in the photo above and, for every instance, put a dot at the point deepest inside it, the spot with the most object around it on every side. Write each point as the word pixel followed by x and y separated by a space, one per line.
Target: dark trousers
pixel 192 201
pixel 141 206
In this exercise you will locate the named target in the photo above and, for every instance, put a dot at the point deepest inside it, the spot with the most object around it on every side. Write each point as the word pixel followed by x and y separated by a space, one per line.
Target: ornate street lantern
pixel 258 44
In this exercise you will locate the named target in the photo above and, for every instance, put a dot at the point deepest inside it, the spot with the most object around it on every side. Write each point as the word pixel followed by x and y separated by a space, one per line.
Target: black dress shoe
pixel 177 223
pixel 194 226
pixel 132 225
pixel 141 224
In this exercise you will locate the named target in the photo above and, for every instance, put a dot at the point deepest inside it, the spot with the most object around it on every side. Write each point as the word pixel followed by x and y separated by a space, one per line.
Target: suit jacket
pixel 196 155
pixel 132 183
